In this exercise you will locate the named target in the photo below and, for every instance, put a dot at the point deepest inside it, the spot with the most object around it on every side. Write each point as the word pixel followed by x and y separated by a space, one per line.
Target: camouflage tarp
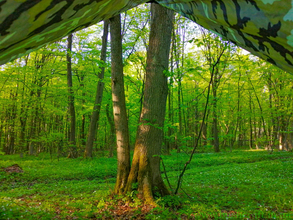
pixel 264 27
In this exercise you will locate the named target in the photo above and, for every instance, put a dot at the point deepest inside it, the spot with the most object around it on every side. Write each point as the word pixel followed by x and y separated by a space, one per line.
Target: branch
pixel 197 140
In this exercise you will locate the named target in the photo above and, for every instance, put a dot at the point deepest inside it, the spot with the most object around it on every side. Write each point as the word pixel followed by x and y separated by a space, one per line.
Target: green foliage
pixel 252 99
pixel 170 201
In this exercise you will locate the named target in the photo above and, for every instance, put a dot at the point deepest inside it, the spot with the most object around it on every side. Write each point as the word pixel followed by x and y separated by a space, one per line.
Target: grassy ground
pixel 238 185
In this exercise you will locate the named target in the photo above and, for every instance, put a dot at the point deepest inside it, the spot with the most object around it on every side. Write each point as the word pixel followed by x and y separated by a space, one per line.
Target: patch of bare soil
pixel 15 168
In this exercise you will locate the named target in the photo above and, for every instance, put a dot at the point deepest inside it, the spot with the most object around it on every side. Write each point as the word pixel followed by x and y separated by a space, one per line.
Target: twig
pixel 165 172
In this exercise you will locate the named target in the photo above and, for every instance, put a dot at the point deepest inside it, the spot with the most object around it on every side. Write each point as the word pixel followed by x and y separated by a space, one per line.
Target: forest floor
pixel 237 185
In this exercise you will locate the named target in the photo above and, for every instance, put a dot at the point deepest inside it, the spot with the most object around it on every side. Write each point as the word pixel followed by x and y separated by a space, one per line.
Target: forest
pixel 73 117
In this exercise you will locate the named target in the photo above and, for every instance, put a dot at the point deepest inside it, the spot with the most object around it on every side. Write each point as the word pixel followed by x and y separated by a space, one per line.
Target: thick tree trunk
pixel 119 107
pixel 72 130
pixel 145 168
pixel 99 96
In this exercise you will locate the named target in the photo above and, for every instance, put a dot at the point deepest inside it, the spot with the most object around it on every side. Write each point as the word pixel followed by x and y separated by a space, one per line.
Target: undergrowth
pixel 237 185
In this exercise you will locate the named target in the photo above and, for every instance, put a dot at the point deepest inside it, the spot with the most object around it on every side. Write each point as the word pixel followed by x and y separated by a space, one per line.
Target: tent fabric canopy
pixel 263 27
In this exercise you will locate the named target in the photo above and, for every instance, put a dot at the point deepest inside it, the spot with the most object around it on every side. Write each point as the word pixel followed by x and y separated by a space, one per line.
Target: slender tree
pixel 99 96
pixel 71 107
pixel 119 106
pixel 217 64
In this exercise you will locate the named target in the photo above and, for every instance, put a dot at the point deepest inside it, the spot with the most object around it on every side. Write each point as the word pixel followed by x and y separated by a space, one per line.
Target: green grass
pixel 237 185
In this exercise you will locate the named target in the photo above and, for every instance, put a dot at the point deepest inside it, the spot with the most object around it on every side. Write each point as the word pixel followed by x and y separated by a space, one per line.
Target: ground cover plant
pixel 240 184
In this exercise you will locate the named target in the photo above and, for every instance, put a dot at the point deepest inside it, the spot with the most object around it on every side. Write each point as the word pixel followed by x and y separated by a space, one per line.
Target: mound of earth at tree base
pixel 15 168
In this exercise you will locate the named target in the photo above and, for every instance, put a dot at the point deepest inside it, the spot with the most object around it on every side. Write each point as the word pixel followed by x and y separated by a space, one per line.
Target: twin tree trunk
pixel 145 168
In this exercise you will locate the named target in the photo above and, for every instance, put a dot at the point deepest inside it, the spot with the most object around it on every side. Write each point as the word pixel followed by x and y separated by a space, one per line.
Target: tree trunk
pixel 23 119
pixel 145 168
pixel 99 96
pixel 119 107
pixel 282 130
pixel 82 126
pixel 179 134
pixel 170 139
pixel 196 115
pixel 11 130
pixel 204 134
pixel 261 110
pixel 215 122
pixel 170 118
pixel 72 130
pixel 112 131
pixel 34 119
pixel 250 124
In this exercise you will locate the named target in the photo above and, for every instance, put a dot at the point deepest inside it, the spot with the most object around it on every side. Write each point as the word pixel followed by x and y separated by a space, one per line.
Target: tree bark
pixel 119 107
pixel 72 130
pixel 23 118
pixel 99 96
pixel 145 168
pixel 250 124
pixel 215 121
pixel 112 131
